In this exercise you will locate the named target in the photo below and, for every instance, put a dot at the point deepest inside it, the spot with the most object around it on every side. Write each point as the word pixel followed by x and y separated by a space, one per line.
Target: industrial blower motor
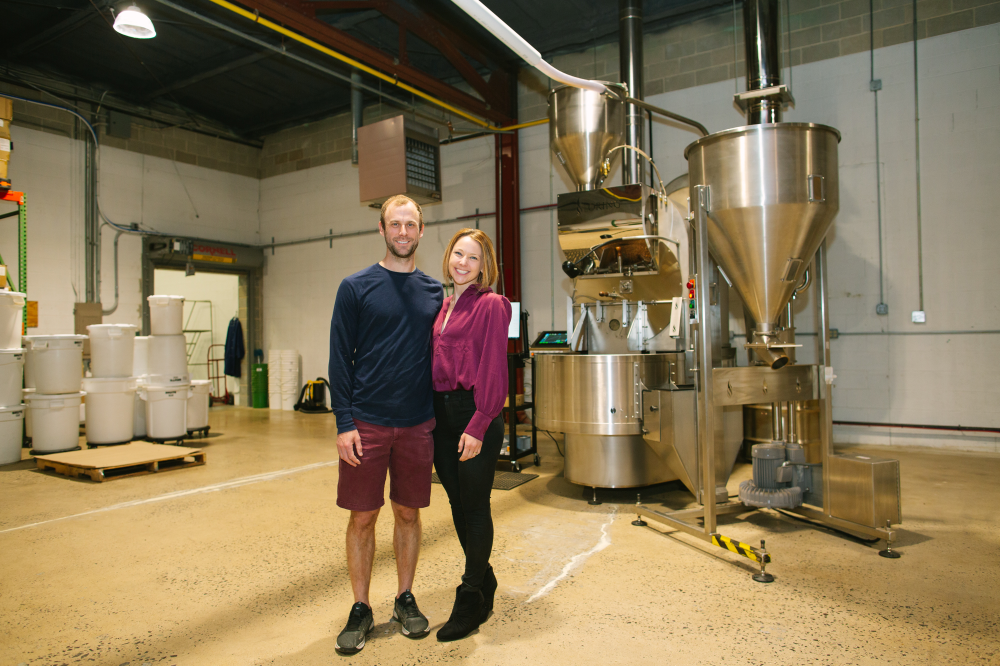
pixel 780 476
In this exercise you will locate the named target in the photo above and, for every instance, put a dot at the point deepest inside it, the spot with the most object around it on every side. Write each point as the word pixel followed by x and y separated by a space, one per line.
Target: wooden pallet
pixel 119 462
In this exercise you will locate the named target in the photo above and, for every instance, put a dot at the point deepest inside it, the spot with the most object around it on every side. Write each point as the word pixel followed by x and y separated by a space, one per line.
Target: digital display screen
pixel 553 338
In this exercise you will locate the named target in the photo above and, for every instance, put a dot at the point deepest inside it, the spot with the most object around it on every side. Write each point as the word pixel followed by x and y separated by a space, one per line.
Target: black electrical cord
pixel 554 442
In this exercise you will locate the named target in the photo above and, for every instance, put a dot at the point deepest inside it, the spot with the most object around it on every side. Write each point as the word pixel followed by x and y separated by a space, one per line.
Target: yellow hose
pixel 352 62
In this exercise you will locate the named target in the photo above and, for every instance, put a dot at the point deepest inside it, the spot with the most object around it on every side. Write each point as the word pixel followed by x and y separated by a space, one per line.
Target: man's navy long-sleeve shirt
pixel 380 348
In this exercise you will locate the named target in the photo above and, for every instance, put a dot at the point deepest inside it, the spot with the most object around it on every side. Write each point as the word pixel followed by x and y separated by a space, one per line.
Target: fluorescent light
pixel 133 23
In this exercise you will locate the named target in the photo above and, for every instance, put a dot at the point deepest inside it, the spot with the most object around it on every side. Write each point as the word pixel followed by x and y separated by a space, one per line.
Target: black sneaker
pixel 359 623
pixel 413 622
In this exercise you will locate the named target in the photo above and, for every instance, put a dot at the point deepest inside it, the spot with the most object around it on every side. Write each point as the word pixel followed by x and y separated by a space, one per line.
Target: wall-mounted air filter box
pixel 398 156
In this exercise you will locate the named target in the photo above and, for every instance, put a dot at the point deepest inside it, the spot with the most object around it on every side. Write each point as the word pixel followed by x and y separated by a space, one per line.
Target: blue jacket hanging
pixel 234 348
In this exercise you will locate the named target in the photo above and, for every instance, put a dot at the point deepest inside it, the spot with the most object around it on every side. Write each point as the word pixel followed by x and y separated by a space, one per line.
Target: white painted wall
pixel 301 281
pixel 159 194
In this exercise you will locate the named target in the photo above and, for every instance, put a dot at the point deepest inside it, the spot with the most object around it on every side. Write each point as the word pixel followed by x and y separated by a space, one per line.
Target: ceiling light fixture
pixel 133 23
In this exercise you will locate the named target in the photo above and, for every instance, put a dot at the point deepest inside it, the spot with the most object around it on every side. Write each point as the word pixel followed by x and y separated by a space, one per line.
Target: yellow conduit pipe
pixel 352 62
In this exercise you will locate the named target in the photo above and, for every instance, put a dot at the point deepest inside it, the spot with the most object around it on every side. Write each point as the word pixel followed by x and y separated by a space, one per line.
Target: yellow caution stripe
pixel 743 549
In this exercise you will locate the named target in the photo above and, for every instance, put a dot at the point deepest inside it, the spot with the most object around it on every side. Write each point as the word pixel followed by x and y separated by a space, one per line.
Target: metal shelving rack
pixel 515 361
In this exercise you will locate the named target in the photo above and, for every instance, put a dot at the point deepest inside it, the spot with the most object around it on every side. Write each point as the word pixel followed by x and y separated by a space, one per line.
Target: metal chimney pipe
pixel 630 67
pixel 357 115
pixel 761 36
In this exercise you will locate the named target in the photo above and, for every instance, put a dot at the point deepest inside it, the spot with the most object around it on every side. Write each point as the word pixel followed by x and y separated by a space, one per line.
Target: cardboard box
pixel 6 108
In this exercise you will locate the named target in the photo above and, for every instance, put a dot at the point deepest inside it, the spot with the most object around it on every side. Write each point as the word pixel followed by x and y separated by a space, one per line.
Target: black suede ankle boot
pixel 489 591
pixel 465 616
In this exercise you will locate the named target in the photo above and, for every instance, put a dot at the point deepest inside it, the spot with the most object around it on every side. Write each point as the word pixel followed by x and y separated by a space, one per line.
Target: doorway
pixel 218 281
pixel 211 300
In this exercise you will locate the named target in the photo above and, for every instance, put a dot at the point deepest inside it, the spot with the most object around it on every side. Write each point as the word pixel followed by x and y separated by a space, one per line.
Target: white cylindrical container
pixel 10 433
pixel 140 356
pixel 11 375
pixel 29 374
pixel 274 400
pixel 55 422
pixel 11 316
pixel 139 413
pixel 166 315
pixel 167 360
pixel 110 409
pixel 27 408
pixel 197 409
pixel 166 411
pixel 56 363
pixel 112 349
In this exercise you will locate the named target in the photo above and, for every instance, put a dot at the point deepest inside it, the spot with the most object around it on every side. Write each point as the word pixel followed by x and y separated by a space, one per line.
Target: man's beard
pixel 392 249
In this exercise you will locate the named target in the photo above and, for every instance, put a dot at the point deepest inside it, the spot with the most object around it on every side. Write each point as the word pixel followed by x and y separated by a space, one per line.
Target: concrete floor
pixel 230 563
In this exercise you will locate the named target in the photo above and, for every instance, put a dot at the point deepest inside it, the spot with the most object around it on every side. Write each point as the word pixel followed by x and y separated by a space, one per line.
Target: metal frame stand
pixel 743 386
pixel 515 361
pixel 710 510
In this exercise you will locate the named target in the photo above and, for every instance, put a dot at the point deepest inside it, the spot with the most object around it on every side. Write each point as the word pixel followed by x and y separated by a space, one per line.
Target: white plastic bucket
pixel 55 421
pixel 140 356
pixel 166 315
pixel 10 433
pixel 166 410
pixel 29 375
pixel 197 409
pixel 167 360
pixel 112 348
pixel 139 412
pixel 11 315
pixel 110 409
pixel 11 373
pixel 27 408
pixel 274 400
pixel 57 363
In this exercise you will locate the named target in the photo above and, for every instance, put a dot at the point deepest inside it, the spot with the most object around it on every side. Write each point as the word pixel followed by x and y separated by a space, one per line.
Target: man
pixel 380 384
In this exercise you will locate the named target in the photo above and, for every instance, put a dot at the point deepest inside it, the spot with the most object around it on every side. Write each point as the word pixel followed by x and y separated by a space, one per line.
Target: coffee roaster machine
pixel 647 390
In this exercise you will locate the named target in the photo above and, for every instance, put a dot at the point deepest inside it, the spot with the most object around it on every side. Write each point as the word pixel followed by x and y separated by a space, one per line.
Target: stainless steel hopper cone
pixel 583 127
pixel 773 192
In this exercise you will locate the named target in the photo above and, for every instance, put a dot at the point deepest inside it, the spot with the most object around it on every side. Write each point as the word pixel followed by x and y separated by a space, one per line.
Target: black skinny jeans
pixel 469 482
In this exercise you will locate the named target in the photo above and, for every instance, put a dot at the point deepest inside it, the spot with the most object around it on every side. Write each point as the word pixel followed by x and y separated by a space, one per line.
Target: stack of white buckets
pixel 111 388
pixel 53 377
pixel 11 368
pixel 166 386
pixel 282 378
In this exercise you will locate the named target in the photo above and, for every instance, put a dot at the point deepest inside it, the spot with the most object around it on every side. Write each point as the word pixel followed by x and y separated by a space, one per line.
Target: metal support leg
pixel 826 372
pixel 638 522
pixel 706 405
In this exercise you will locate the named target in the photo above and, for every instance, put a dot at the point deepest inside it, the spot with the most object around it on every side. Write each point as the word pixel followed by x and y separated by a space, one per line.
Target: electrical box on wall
pixel 398 156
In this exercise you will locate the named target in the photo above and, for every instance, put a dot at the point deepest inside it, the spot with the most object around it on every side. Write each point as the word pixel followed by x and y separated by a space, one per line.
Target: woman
pixel 470 385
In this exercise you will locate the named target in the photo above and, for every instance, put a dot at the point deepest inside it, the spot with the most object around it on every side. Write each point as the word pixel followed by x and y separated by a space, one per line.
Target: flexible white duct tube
pixel 518 45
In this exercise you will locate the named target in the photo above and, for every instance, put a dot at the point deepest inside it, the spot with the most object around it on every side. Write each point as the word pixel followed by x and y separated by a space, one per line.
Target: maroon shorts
pixel 407 454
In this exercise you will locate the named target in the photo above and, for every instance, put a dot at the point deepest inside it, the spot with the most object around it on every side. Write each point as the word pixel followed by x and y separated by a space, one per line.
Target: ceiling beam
pixel 324 33
pixel 197 78
pixel 75 20
pixel 452 45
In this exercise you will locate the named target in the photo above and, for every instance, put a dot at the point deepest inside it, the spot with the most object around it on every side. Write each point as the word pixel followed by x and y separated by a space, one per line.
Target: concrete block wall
pixel 709 48
pixel 148 138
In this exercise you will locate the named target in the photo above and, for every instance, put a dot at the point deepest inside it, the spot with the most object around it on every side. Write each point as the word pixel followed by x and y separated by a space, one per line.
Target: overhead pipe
pixel 763 62
pixel 630 69
pixel 518 45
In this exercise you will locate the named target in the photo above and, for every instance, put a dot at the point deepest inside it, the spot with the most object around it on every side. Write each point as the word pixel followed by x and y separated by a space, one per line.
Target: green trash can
pixel 258 385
